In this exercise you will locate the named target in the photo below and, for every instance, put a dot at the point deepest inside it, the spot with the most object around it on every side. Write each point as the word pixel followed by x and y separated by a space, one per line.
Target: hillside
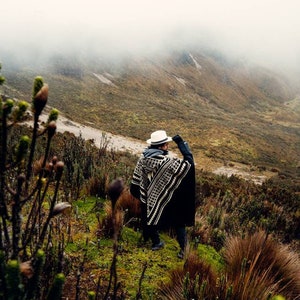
pixel 83 235
pixel 229 111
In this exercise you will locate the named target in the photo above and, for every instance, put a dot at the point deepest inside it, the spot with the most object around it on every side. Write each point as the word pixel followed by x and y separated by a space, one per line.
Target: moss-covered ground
pixel 93 255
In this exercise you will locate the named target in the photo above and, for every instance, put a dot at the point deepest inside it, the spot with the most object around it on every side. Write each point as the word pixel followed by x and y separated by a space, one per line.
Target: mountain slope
pixel 227 110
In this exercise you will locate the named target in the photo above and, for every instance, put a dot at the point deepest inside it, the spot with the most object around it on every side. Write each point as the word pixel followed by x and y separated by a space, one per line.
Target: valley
pixel 113 142
pixel 228 110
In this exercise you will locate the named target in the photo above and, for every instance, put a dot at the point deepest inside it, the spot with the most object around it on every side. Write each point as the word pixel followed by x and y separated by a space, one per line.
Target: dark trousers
pixel 181 236
pixel 151 232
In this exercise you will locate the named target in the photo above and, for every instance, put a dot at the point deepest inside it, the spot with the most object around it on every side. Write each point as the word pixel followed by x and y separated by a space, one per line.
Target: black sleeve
pixel 186 152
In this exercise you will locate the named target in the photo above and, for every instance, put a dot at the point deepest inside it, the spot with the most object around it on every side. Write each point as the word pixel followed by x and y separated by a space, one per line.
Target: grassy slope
pixel 227 111
pixel 215 125
pixel 132 256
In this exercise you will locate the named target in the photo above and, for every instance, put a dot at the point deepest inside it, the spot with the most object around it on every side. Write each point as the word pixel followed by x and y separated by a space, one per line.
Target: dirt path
pixel 100 138
pixel 242 171
pixel 134 146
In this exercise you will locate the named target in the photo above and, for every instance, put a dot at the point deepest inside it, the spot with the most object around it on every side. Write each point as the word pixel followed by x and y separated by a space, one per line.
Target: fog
pixel 264 31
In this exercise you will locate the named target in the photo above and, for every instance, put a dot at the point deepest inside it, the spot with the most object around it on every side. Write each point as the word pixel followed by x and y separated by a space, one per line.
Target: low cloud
pixel 264 31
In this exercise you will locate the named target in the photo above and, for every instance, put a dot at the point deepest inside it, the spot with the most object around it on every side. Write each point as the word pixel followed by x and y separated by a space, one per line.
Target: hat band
pixel 160 142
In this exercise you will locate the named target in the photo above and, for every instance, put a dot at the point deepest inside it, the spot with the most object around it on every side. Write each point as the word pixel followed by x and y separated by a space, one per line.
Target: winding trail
pixel 100 138
pixel 134 146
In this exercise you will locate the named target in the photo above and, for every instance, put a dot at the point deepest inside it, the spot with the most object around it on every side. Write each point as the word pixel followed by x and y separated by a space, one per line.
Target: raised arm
pixel 184 148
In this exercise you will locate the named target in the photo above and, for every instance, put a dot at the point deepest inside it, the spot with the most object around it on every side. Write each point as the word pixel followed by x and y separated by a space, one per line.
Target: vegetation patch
pixel 94 250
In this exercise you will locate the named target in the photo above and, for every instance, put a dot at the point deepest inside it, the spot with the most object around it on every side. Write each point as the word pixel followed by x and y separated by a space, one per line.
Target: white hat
pixel 159 137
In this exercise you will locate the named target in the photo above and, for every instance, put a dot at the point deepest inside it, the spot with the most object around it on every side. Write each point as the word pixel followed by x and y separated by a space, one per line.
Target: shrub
pixel 196 280
pixel 258 265
pixel 27 202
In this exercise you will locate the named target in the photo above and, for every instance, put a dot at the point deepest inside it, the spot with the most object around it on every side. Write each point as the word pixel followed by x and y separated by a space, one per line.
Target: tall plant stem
pixel 32 148
pixel 3 151
pixel 46 224
pixel 16 219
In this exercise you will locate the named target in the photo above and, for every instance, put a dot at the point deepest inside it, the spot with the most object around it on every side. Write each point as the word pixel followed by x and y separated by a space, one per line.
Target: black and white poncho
pixel 166 187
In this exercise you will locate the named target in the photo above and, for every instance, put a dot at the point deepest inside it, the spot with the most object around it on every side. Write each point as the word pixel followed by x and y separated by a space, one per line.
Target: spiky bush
pixel 256 267
pixel 235 206
pixel 196 280
pixel 28 200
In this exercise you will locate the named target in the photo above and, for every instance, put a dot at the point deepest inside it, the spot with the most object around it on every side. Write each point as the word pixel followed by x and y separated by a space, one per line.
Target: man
pixel 166 188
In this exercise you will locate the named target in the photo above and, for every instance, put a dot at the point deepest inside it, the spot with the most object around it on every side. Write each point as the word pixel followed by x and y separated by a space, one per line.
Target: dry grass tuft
pixel 124 206
pixel 195 280
pixel 107 225
pixel 127 202
pixel 258 265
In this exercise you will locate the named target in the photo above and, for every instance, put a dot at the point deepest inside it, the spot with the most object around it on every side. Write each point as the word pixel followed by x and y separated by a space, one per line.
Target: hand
pixel 177 139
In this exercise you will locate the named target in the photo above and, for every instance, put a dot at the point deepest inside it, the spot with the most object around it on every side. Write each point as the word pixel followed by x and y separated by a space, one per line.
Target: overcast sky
pixel 260 29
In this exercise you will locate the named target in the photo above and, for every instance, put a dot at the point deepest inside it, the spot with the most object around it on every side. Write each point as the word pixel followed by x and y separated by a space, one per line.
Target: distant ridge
pixel 228 110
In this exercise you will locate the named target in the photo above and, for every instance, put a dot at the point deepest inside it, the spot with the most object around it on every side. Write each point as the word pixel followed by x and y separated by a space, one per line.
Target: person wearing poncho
pixel 166 188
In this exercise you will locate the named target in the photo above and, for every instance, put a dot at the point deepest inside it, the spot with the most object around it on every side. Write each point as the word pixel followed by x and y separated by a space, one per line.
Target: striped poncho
pixel 158 177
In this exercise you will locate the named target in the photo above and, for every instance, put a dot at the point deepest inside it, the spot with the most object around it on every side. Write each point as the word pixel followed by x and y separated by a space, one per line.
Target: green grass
pixel 132 254
pixel 211 256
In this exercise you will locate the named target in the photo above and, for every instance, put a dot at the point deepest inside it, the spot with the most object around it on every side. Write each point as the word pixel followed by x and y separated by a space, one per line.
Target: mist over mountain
pixel 228 109
pixel 265 32
pixel 223 74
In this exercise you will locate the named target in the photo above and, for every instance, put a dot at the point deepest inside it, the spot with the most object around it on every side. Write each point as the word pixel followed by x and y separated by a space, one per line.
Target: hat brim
pixel 166 140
